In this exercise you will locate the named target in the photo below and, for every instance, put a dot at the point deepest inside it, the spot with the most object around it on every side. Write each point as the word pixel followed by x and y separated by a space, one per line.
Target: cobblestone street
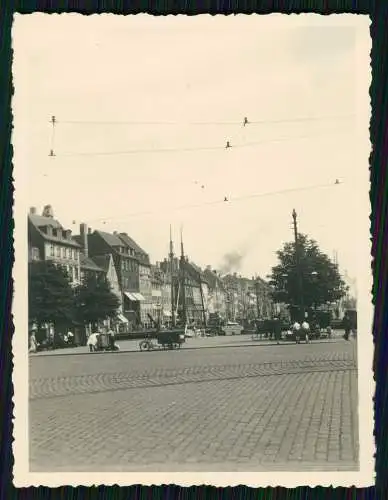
pixel 290 407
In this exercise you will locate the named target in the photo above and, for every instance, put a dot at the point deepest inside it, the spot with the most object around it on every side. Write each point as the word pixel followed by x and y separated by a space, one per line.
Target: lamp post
pixel 297 266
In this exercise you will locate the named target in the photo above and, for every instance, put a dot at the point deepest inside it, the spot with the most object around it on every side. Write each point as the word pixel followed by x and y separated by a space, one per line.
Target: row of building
pixel 173 288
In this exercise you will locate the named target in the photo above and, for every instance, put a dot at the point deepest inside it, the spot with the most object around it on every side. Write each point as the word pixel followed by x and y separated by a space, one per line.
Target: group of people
pixel 301 330
pixel 94 342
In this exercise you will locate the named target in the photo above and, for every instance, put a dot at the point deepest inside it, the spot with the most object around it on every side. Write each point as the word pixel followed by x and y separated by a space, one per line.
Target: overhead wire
pixel 243 122
pixel 216 202
pixel 227 145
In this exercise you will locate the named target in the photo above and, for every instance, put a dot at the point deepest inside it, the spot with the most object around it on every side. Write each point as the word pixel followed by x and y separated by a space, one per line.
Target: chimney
pixel 32 210
pixel 83 229
pixel 89 230
pixel 115 233
pixel 48 211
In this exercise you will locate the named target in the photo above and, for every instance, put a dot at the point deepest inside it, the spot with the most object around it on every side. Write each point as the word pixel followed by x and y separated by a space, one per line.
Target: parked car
pixel 232 328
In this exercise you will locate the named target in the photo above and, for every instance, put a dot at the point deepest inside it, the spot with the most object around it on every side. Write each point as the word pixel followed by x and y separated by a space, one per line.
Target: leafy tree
pixel 94 300
pixel 319 277
pixel 50 296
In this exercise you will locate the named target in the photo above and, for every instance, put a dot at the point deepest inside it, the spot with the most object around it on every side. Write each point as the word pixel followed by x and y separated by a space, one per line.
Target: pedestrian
pixel 306 331
pixel 70 337
pixel 33 343
pixel 347 325
pixel 92 342
pixel 296 331
pixel 111 339
pixel 277 330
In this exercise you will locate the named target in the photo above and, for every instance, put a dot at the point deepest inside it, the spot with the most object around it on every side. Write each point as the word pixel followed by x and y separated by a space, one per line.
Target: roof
pixel 213 279
pixel 195 270
pixel 39 222
pixel 111 239
pixel 141 254
pixel 88 263
pixel 103 261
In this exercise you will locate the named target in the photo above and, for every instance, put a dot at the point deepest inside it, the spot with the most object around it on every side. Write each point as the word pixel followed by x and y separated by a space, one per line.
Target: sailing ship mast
pixel 183 281
pixel 171 257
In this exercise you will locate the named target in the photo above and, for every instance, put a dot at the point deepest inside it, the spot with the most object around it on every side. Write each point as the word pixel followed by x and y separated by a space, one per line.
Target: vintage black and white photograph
pixel 192 253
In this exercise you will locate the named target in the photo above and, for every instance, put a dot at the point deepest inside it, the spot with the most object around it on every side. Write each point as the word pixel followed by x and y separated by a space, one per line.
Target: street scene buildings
pixel 144 290
pixel 195 243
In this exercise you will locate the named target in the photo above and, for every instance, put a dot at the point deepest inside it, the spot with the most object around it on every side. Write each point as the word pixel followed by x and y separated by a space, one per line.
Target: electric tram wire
pixel 225 199
pixel 228 145
pixel 244 122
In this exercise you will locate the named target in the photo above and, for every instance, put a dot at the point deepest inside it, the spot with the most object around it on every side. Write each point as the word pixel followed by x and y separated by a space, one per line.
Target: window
pixel 70 253
pixel 35 253
pixel 52 250
pixel 58 251
pixel 76 274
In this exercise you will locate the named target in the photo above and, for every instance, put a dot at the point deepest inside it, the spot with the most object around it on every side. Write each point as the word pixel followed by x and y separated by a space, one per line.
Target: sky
pixel 128 87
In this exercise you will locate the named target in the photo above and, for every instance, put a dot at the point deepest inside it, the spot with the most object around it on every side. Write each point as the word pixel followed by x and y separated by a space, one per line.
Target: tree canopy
pixel 50 296
pixel 320 279
pixel 95 300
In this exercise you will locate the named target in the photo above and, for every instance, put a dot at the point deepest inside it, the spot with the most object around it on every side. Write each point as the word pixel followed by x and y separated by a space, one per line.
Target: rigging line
pixel 194 149
pixel 204 123
pixel 216 202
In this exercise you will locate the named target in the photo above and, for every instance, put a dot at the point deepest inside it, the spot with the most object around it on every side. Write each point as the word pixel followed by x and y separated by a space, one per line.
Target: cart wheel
pixel 145 345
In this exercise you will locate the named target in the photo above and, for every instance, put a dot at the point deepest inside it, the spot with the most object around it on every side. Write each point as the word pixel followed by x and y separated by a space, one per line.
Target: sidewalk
pixel 191 343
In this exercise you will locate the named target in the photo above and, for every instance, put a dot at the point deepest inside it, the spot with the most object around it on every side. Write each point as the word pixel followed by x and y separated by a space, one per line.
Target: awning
pixel 156 293
pixel 131 296
pixel 122 318
pixel 138 296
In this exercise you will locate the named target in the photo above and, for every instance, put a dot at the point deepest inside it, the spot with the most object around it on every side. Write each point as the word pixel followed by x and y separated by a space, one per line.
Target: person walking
pixel 306 331
pixel 296 331
pixel 277 330
pixel 347 325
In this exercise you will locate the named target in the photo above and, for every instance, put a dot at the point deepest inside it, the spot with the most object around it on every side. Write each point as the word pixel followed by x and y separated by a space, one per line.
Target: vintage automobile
pixel 232 328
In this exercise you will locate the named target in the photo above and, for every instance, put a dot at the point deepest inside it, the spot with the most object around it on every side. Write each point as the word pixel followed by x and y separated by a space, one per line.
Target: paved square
pixel 243 408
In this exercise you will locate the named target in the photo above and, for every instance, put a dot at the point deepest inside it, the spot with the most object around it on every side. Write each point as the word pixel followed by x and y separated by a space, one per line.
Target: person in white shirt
pixel 92 342
pixel 306 331
pixel 296 331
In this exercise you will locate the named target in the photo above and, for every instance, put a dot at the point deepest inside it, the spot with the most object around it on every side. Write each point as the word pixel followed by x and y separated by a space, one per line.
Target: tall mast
pixel 171 257
pixel 183 280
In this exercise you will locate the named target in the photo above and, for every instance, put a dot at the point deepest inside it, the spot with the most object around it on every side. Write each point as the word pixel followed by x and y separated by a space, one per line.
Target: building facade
pixel 48 240
pixel 132 275
pixel 217 296
pixel 144 279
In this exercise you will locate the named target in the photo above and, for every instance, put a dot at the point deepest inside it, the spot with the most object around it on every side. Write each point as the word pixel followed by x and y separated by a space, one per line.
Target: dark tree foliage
pixel 95 300
pixel 320 279
pixel 50 296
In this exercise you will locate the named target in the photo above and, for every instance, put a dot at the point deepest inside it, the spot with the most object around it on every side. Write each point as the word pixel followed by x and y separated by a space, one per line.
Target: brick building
pixel 49 240
pixel 132 268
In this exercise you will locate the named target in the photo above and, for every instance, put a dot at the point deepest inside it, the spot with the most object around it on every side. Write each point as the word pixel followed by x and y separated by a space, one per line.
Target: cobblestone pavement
pixel 289 407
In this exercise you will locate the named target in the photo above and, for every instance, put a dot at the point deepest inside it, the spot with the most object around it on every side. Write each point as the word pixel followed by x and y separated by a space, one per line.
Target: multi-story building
pixel 190 299
pixel 99 266
pixel 217 299
pixel 247 299
pixel 49 240
pixel 132 268
pixel 144 270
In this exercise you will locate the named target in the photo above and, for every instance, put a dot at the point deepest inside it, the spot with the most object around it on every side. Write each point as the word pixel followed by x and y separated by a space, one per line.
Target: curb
pixel 131 351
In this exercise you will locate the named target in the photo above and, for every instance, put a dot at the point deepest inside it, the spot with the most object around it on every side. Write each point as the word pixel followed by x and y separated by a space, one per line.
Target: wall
pixel 66 256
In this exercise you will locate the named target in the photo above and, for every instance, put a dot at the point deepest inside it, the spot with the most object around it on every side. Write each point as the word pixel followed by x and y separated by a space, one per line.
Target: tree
pixel 94 300
pixel 320 279
pixel 50 296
